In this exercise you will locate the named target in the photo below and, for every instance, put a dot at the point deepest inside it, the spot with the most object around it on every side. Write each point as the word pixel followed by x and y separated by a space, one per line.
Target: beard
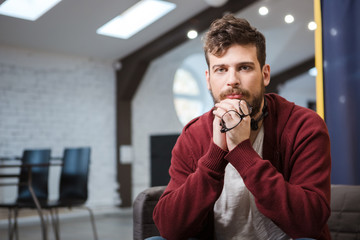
pixel 254 100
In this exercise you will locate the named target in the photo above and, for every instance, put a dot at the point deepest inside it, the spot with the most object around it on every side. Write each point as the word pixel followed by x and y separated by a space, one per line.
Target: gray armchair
pixel 143 208
pixel 344 222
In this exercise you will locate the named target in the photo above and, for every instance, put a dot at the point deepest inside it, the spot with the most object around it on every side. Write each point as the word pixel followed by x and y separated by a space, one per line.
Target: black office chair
pixel 73 190
pixel 32 187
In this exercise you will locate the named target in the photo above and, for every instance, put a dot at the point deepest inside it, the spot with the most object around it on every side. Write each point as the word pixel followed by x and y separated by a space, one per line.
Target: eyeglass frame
pixel 224 129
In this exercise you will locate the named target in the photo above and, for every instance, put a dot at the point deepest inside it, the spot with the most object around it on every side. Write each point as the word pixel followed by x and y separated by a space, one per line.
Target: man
pixel 266 176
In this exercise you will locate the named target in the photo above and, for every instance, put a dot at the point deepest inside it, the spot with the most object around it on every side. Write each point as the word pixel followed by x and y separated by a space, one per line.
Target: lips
pixel 234 96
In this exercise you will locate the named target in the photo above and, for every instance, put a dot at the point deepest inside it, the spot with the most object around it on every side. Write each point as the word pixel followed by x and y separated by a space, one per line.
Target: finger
pixel 228 104
pixel 219 112
pixel 218 137
pixel 243 106
pixel 217 122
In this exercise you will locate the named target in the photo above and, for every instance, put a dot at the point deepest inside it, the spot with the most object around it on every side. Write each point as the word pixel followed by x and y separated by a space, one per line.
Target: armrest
pixel 143 208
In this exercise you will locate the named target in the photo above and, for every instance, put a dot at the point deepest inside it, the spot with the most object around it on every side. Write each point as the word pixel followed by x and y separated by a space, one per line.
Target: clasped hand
pixel 231 124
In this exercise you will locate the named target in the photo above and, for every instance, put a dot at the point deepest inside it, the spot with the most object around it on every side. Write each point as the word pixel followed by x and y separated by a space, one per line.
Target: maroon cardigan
pixel 291 185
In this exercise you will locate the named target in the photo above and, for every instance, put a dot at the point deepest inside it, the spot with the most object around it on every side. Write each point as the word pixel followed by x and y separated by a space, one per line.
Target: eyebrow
pixel 238 64
pixel 218 65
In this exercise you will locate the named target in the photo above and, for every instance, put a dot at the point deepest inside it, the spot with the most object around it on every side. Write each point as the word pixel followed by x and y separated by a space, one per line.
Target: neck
pixel 254 133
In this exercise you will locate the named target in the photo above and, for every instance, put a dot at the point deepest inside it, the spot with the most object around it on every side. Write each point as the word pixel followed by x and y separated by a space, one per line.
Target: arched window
pixel 191 97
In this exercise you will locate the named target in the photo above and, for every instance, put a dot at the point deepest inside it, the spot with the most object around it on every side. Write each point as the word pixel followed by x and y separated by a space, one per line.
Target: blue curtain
pixel 341 65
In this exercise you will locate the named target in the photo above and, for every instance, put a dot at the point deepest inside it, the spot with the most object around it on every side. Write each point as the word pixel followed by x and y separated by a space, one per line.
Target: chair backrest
pixel 39 175
pixel 74 175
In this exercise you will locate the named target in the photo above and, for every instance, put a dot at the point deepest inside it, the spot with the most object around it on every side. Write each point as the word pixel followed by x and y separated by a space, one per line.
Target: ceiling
pixel 287 44
pixel 70 28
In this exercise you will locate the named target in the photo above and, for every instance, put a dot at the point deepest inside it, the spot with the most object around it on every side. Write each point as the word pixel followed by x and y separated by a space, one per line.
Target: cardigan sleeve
pixel 185 208
pixel 299 205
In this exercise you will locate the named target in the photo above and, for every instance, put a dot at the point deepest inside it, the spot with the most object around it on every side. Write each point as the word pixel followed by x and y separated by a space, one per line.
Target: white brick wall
pixel 57 101
pixel 153 110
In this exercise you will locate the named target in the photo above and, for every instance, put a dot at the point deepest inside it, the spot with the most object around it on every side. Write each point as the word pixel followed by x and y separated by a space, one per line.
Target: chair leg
pixel 92 222
pixel 15 228
pixel 10 224
pixel 55 223
pixel 38 208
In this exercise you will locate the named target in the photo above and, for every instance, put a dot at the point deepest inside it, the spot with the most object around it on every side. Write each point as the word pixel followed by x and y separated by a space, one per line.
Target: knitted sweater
pixel 291 184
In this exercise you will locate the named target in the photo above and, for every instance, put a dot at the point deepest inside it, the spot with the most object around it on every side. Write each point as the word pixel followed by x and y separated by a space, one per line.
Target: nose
pixel 233 79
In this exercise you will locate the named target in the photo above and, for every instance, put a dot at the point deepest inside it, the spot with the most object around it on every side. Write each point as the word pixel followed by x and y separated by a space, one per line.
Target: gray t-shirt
pixel 235 213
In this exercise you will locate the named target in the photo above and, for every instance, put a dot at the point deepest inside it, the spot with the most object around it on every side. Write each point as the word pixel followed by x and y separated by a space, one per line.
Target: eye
pixel 244 68
pixel 220 70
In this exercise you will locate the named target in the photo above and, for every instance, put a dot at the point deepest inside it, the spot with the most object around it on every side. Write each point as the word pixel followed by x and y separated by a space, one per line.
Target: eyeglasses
pixel 232 118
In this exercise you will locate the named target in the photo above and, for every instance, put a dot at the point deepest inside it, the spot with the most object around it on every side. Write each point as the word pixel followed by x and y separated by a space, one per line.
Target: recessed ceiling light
pixel 136 18
pixel 28 10
pixel 313 72
pixel 192 34
pixel 312 26
pixel 289 18
pixel 263 11
pixel 216 3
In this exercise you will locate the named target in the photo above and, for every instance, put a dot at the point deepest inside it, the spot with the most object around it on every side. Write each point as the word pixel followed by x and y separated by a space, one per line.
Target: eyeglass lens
pixel 232 118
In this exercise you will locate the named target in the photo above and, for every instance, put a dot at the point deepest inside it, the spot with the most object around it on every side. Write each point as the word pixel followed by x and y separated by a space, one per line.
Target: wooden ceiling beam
pixel 292 72
pixel 135 65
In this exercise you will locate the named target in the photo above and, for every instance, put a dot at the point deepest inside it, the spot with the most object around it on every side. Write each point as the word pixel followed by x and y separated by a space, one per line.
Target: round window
pixel 191 97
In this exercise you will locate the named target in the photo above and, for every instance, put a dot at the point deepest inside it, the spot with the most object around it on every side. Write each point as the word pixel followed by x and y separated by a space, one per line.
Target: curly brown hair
pixel 229 30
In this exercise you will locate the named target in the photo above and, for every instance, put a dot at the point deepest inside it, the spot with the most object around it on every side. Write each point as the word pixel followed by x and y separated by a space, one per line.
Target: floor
pixel 111 224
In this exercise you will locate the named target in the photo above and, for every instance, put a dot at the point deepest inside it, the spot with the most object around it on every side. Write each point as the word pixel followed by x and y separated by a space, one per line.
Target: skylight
pixel 27 9
pixel 136 18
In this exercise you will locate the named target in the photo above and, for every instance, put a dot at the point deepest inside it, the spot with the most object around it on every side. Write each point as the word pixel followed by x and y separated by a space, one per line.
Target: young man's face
pixel 237 75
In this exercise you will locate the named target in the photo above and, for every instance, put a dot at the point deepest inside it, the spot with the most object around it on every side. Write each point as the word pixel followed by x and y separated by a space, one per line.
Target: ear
pixel 266 74
pixel 207 75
